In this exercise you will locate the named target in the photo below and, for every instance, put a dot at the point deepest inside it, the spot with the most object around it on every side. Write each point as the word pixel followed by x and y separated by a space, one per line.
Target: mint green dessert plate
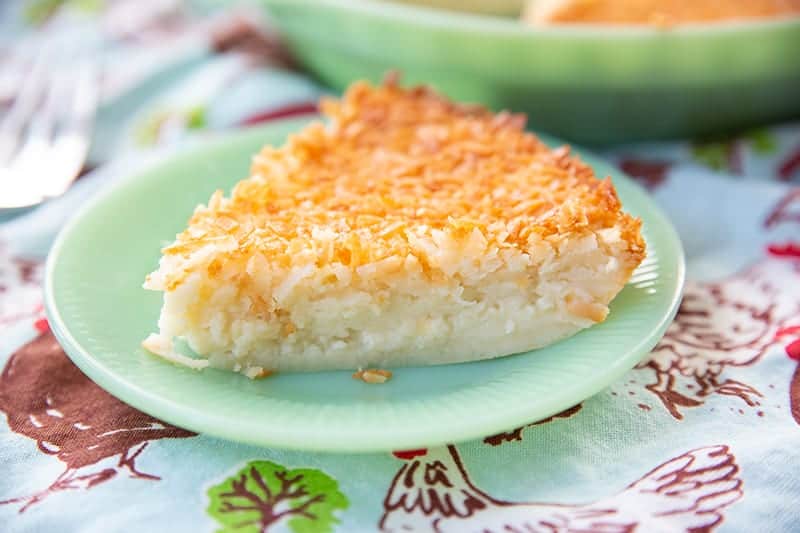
pixel 100 314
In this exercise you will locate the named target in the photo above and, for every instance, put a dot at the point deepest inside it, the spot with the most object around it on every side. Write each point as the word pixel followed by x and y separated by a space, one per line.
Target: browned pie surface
pixel 657 12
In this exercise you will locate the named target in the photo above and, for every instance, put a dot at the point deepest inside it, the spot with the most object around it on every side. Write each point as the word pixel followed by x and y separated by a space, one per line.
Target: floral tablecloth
pixel 703 435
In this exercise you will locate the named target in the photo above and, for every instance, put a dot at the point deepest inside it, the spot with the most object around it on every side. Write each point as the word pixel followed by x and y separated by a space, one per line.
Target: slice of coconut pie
pixel 407 230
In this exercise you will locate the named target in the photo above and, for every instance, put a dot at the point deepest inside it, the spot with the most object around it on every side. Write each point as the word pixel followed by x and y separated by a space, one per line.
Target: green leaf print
pixel 716 155
pixel 149 129
pixel 196 118
pixel 146 132
pixel 726 154
pixel 264 494
pixel 38 11
pixel 762 141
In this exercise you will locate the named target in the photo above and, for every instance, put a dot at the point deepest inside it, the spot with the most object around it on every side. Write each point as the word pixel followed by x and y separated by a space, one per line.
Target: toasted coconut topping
pixel 659 13
pixel 394 172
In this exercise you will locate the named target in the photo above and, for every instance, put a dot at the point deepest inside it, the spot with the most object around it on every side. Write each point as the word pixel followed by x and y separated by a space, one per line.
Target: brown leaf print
pixel 48 399
pixel 722 326
pixel 790 165
pixel 432 491
pixel 30 270
pixel 787 210
pixel 650 174
pixel 516 434
pixel 246 37
pixel 20 288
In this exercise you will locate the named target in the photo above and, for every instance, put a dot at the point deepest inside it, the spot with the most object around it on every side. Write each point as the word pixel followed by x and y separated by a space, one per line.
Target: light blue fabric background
pixel 593 455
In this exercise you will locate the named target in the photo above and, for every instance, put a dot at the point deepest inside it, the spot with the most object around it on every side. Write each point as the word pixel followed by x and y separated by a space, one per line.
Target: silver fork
pixel 45 135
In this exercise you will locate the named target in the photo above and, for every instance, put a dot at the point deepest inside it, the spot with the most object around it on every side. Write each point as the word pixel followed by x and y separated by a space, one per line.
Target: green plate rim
pixel 180 414
pixel 444 19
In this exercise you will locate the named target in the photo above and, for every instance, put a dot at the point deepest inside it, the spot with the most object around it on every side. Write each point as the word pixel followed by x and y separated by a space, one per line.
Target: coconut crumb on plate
pixel 373 375
pixel 163 347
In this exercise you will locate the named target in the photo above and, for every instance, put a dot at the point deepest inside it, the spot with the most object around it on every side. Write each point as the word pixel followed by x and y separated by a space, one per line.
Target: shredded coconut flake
pixel 158 345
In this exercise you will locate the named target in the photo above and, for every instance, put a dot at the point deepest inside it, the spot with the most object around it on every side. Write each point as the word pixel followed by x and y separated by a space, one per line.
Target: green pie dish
pixel 100 314
pixel 588 84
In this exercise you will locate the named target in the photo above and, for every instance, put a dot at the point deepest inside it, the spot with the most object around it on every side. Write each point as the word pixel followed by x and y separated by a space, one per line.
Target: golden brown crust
pixel 392 162
pixel 661 13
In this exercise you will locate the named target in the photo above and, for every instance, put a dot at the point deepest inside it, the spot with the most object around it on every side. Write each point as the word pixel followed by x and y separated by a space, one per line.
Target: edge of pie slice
pixel 404 230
